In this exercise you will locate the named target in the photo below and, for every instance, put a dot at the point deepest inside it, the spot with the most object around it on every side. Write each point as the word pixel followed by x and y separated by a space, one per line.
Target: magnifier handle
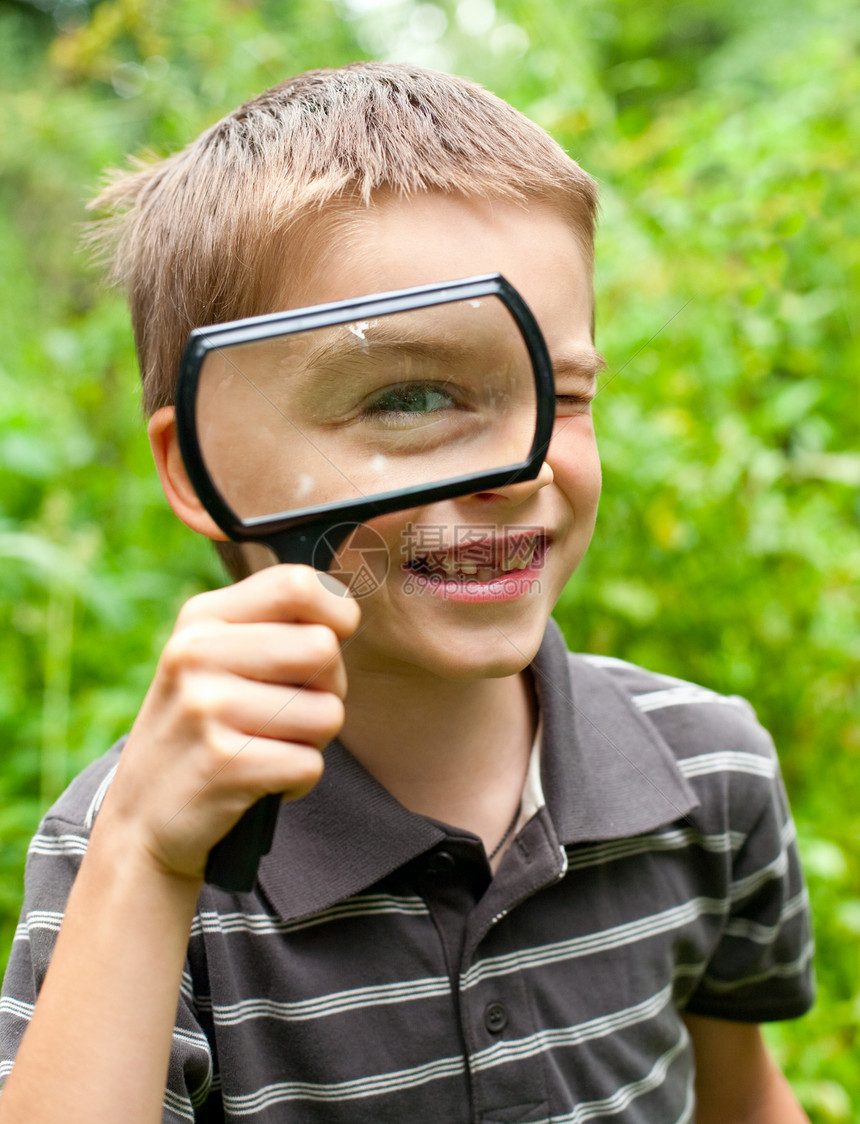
pixel 233 862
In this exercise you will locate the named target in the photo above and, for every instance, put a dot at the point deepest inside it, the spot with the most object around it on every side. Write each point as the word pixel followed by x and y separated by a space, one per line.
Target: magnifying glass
pixel 298 427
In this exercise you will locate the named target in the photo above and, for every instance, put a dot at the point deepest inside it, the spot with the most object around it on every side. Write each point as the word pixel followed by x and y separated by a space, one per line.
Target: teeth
pixel 519 559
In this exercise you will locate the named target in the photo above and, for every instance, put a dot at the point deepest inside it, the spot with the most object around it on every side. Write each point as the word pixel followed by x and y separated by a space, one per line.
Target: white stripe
pixel 201 1093
pixel 38 919
pixel 199 1042
pixel 6 1068
pixel 16 1007
pixel 624 1096
pixel 694 970
pixel 623 665
pixel 615 661
pixel 396 1082
pixel 744 887
pixel 727 761
pixel 186 989
pixel 674 840
pixel 333 1004
pixel 98 797
pixel 748 930
pixel 603 661
pixel 615 937
pixel 688 1112
pixel 178 1105
pixel 192 1038
pixel 58 845
pixel 783 970
pixel 685 694
pixel 501 1053
pixel 210 921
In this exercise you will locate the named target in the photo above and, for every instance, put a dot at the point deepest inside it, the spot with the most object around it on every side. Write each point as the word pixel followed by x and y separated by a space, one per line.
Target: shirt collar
pixel 606 772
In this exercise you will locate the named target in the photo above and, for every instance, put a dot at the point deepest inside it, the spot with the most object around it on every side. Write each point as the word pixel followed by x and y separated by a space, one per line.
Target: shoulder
pixel 678 706
pixel 716 740
pixel 81 801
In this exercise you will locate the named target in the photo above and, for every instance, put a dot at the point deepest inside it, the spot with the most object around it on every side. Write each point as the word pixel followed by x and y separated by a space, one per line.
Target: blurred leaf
pixel 727 551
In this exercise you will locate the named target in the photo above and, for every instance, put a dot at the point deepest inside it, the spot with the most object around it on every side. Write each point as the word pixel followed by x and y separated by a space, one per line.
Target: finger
pixel 255 709
pixel 300 655
pixel 285 593
pixel 252 768
pixel 243 771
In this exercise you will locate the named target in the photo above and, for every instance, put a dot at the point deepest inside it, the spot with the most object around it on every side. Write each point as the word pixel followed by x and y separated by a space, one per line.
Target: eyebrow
pixel 320 371
pixel 331 358
pixel 384 339
pixel 586 363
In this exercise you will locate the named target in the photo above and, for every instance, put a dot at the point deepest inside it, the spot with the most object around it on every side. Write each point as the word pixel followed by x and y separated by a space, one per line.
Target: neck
pixel 454 751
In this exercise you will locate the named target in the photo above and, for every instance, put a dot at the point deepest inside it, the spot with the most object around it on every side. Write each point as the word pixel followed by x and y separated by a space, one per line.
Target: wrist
pixel 118 856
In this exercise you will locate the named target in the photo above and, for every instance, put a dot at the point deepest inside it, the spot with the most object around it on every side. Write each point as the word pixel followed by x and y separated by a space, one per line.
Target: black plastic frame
pixel 298 536
pixel 312 535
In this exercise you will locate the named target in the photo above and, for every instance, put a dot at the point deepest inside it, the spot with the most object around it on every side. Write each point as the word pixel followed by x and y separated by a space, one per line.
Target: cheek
pixel 380 546
pixel 395 530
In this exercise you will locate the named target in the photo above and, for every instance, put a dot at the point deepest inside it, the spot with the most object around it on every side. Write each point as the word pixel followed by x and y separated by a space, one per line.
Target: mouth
pixel 488 560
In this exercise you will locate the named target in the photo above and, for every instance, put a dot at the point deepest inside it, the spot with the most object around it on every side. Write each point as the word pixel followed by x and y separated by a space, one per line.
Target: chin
pixel 505 652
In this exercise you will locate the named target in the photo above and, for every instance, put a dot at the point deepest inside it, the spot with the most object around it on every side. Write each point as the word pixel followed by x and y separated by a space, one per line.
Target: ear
pixel 174 479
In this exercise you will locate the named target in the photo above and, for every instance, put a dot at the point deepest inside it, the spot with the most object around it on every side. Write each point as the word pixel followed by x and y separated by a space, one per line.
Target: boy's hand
pixel 248 690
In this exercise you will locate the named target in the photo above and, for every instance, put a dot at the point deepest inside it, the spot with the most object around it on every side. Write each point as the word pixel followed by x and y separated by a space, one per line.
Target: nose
pixel 519 492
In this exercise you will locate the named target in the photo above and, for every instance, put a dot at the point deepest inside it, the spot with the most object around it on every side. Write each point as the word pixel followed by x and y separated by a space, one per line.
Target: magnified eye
pixel 408 398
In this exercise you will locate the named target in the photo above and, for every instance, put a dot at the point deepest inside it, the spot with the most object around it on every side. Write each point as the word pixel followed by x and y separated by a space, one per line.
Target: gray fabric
pixel 378 972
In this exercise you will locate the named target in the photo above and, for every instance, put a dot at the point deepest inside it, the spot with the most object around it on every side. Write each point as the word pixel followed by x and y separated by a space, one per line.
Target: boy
pixel 528 887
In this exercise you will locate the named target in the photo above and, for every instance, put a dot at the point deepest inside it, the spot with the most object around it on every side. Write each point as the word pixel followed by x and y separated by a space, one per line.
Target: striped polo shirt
pixel 379 972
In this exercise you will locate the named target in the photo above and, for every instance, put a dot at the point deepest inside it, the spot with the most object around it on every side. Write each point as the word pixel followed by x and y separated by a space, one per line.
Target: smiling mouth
pixel 482 562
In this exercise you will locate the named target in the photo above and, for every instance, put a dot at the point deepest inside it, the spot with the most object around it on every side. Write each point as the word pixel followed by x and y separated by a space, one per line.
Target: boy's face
pixel 472 580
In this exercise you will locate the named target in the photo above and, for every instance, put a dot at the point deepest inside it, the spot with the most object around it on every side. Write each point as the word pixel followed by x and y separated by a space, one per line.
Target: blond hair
pixel 191 238
pixel 203 236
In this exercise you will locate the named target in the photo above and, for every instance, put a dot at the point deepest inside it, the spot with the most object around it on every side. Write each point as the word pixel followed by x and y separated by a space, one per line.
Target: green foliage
pixel 728 549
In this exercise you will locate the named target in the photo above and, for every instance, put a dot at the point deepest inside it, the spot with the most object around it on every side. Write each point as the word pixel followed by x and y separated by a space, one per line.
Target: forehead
pixel 434 236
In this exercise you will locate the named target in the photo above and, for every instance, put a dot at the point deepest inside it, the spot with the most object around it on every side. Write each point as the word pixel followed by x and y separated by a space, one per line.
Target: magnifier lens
pixel 365 407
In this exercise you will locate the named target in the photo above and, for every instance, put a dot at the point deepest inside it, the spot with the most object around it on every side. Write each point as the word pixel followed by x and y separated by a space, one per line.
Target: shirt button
pixel 495 1018
pixel 440 862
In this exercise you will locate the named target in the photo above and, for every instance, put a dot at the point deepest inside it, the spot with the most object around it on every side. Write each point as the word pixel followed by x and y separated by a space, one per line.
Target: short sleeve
pixel 53 861
pixel 762 968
